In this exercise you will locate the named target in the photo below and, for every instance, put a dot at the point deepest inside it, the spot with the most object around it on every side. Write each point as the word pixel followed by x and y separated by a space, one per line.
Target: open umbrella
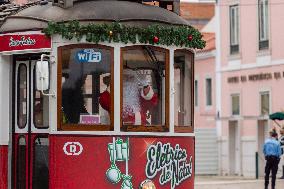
pixel 277 116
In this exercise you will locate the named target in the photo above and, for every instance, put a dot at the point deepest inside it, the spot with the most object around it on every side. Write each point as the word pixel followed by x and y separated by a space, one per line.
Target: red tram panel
pixel 89 162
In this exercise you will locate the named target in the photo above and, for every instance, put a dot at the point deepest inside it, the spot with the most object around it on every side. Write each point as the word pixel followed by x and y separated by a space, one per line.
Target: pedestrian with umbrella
pixel 277 116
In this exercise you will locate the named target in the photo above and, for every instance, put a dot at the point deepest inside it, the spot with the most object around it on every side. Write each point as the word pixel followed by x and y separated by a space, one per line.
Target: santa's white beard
pixel 131 96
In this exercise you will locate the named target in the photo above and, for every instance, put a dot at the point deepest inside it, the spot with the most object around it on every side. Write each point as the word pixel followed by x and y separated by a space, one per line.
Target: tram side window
pixel 86 86
pixel 40 108
pixel 144 88
pixel 183 98
pixel 22 96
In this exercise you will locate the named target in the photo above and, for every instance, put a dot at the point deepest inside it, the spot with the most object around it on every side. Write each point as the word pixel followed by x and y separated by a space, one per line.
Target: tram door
pixel 30 131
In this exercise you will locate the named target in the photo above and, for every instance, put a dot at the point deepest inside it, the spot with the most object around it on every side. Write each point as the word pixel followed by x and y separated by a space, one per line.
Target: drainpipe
pixel 241 147
pixel 218 80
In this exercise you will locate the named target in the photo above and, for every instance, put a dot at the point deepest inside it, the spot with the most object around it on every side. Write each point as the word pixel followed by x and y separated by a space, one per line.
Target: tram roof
pixel 37 16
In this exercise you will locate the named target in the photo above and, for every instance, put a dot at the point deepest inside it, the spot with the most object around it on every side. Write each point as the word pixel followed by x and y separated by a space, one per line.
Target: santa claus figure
pixel 139 99
pixel 149 101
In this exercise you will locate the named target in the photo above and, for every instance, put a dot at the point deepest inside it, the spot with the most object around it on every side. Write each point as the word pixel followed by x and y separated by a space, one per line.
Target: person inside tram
pixel 73 104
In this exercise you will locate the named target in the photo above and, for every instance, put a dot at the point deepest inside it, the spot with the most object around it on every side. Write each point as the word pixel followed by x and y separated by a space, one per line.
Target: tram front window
pixel 183 78
pixel 144 86
pixel 22 96
pixel 40 108
pixel 85 83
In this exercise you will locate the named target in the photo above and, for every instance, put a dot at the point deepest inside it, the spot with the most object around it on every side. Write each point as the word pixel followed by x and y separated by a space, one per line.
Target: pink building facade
pixel 201 15
pixel 205 108
pixel 249 80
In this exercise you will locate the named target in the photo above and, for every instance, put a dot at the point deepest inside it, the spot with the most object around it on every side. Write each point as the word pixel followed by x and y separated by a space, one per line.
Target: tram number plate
pixel 73 148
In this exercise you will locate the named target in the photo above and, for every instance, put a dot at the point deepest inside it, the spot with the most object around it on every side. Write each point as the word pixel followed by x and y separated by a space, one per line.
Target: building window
pixel 196 93
pixel 263 24
pixel 235 104
pixel 85 87
pixel 208 92
pixel 264 103
pixel 144 96
pixel 234 29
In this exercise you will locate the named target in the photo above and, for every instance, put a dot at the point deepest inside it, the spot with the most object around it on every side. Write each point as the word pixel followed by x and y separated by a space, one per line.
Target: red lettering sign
pixel 24 42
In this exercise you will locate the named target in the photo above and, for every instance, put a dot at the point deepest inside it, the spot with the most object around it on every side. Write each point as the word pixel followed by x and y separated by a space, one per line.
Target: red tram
pixel 97 94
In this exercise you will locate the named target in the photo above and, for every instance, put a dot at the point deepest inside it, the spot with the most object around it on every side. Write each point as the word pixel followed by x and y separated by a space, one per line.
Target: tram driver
pixel 73 104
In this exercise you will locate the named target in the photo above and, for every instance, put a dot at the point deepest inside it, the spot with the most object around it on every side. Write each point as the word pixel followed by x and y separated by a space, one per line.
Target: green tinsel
pixel 116 32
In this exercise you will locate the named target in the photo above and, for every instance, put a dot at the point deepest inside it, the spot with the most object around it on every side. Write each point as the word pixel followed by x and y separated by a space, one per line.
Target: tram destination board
pixel 21 42
pixel 121 161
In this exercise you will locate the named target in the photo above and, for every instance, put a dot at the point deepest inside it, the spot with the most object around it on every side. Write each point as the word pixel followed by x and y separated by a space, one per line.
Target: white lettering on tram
pixel 73 148
pixel 21 42
pixel 173 164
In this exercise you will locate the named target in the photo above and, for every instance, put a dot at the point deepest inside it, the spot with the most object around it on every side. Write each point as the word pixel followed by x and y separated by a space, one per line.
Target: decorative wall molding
pixel 201 55
pixel 262 63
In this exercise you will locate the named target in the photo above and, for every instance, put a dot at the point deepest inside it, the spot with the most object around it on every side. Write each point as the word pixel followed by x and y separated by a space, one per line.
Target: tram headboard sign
pixel 122 162
pixel 21 42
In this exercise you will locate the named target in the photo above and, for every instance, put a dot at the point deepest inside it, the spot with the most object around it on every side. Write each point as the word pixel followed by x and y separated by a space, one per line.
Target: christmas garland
pixel 115 32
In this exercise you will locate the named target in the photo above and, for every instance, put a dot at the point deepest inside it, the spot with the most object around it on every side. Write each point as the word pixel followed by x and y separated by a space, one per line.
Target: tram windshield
pixel 183 77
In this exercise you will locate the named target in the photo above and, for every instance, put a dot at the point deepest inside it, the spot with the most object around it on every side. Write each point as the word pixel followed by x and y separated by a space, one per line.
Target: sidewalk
pixel 217 182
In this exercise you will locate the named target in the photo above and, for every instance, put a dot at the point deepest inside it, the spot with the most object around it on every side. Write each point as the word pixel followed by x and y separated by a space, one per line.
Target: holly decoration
pixel 155 39
pixel 117 32
pixel 190 37
pixel 110 33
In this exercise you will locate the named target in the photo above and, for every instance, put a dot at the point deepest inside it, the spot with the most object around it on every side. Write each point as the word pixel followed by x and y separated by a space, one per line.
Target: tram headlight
pixel 147 184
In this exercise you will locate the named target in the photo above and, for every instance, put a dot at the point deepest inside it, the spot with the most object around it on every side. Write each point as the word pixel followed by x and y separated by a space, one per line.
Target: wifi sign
pixel 88 56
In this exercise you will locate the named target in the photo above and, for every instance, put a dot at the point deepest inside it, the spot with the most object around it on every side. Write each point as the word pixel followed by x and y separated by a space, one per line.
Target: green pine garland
pixel 115 32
